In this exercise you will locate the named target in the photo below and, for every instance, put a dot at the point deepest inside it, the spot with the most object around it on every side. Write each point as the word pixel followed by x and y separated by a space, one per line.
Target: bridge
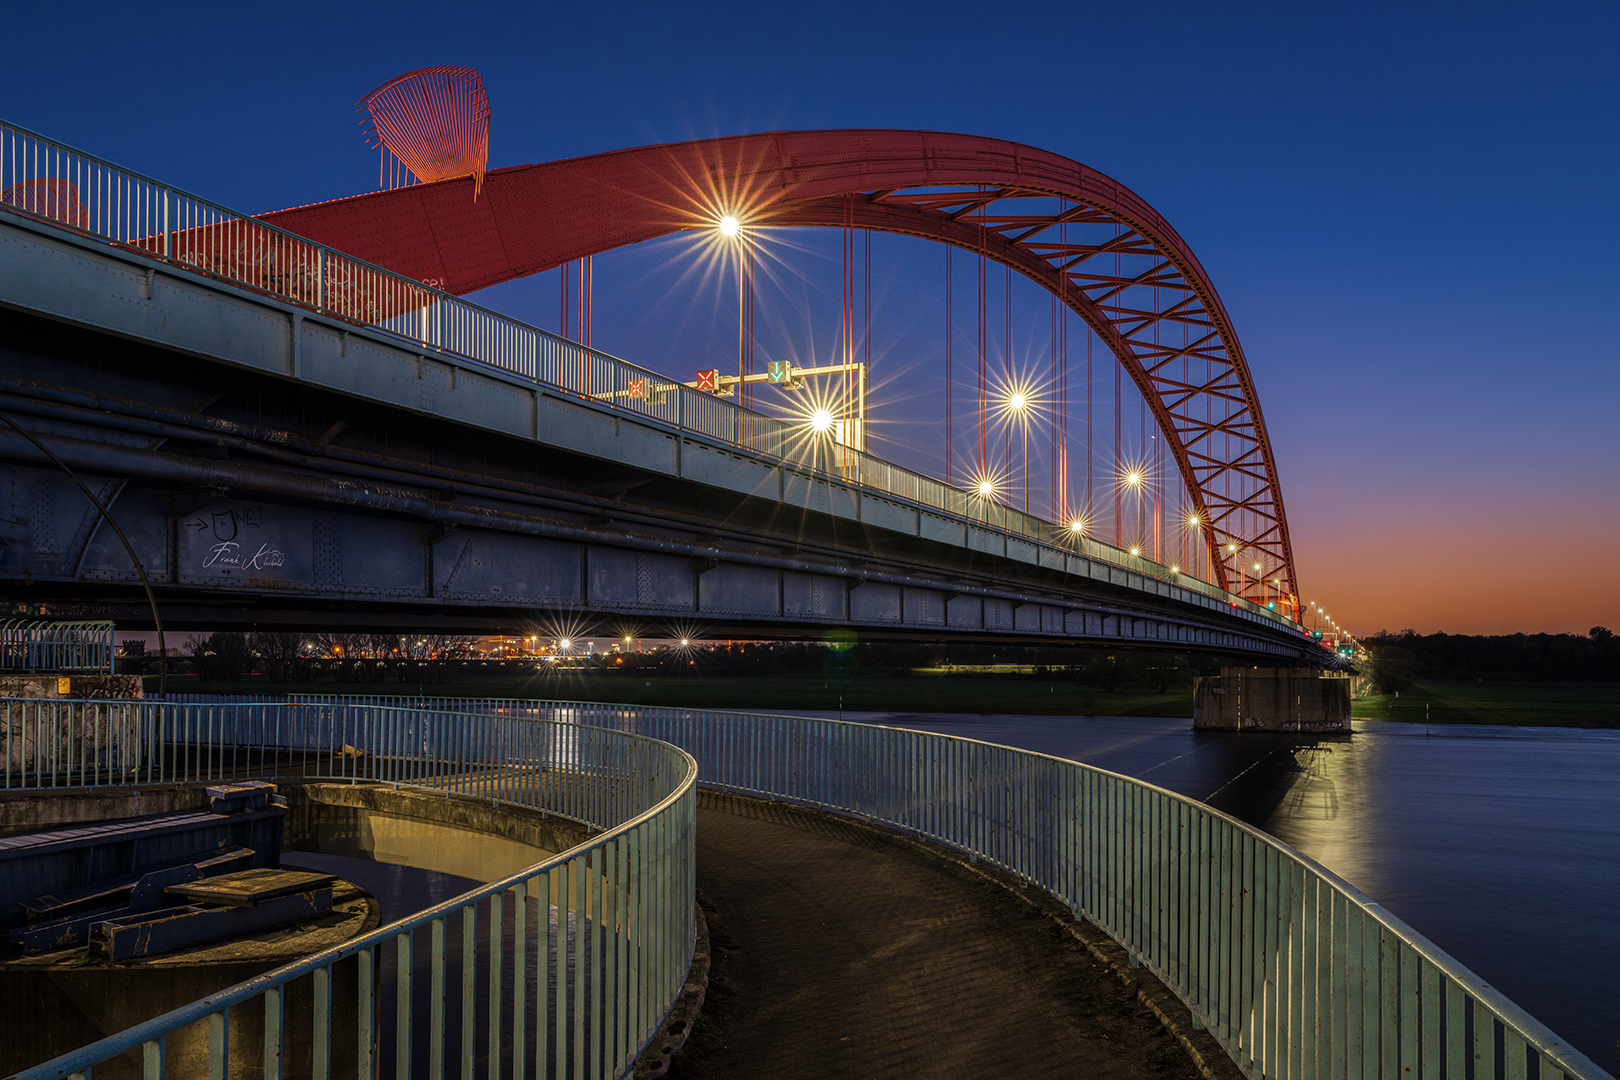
pixel 288 434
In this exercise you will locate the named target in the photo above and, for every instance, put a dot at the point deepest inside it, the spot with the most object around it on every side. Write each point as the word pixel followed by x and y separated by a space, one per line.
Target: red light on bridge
pixel 638 388
pixel 709 380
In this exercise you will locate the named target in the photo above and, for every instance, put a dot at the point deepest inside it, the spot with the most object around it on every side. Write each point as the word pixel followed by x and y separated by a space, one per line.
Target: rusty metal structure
pixel 51 197
pixel 430 124
pixel 1090 241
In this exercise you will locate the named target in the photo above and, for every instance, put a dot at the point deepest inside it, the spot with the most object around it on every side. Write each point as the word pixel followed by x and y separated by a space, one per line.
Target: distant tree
pixel 1389 668
pixel 1163 672
pixel 221 656
pixel 1600 634
pixel 279 654
pixel 1108 673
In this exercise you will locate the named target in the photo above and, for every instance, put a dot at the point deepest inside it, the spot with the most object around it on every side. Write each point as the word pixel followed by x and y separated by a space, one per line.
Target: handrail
pixel 1295 971
pixel 53 645
pixel 50 181
pixel 614 936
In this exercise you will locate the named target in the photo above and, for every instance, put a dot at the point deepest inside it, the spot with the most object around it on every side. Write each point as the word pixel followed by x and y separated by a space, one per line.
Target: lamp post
pixel 1019 404
pixel 1134 480
pixel 731 230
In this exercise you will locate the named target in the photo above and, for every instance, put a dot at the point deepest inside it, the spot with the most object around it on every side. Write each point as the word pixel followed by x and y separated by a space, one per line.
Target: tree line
pixel 276 656
pixel 1404 655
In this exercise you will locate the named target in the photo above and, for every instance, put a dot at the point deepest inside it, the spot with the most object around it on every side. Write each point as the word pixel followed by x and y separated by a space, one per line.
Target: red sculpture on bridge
pixel 435 122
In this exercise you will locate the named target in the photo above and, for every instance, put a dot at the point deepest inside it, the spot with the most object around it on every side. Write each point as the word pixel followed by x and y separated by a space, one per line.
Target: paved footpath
pixel 842 951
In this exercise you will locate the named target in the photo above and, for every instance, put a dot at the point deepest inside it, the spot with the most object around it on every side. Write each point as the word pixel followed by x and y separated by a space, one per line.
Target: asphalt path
pixel 839 950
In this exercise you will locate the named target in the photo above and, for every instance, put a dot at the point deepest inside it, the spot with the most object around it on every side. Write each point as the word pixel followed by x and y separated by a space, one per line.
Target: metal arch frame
pixel 533 218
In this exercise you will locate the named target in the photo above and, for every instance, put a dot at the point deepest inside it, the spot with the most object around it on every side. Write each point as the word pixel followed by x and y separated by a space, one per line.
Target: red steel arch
pixel 1085 237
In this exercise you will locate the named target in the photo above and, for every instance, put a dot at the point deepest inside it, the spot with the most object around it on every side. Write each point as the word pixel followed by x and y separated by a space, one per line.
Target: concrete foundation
pixel 72 686
pixel 1272 699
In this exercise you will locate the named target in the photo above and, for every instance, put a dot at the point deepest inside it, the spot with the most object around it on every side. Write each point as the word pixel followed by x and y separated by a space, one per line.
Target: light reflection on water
pixel 1501 845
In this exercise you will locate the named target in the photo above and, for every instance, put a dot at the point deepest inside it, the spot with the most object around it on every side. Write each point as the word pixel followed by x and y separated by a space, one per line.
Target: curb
pixel 672 1033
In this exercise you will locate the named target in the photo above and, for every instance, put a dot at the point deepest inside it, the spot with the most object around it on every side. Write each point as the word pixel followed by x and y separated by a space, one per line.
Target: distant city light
pixel 564 643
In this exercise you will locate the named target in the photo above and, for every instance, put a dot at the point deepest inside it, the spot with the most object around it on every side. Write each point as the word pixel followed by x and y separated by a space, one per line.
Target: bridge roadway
pixel 277 467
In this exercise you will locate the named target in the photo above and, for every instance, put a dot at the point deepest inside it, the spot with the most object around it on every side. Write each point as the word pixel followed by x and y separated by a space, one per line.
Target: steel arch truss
pixel 1084 237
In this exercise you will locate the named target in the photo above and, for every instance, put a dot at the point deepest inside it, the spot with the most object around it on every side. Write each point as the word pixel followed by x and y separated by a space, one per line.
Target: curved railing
pixel 1292 969
pixel 567 967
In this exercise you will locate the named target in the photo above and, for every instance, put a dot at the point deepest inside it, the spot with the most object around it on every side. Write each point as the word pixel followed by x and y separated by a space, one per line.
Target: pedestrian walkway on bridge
pixel 843 950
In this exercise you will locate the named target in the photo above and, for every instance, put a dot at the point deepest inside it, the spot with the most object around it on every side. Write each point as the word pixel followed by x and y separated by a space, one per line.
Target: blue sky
pixel 1407 210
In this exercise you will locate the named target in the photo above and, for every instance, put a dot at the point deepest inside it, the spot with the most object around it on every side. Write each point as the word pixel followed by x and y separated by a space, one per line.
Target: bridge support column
pixel 1272 699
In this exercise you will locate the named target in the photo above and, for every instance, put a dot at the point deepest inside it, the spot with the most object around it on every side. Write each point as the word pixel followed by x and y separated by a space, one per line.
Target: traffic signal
pixel 709 380
pixel 780 373
pixel 638 388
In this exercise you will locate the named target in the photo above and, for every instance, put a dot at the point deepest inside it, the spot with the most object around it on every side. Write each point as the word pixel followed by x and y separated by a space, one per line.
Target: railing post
pixel 168 197
pixel 320 279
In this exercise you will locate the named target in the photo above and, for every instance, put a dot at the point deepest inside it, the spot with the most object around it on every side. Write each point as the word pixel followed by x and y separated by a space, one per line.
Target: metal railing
pixel 53 182
pixel 48 645
pixel 567 967
pixel 1294 971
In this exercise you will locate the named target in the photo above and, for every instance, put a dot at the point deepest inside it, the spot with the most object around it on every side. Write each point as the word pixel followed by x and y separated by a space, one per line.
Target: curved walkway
pixel 841 950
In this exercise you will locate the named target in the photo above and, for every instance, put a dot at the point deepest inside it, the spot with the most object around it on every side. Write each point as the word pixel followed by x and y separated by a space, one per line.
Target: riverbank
pixel 1575 705
pixel 951 693
pixel 1001 692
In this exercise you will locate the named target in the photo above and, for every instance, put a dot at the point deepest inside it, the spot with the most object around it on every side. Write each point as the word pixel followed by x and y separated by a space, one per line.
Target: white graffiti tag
pixel 230 554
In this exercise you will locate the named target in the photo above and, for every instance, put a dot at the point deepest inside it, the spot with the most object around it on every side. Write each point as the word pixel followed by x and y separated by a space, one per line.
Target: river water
pixel 1501 845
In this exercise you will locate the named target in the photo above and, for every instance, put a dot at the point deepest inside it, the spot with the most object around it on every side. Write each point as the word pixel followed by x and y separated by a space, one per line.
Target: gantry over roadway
pixel 287 435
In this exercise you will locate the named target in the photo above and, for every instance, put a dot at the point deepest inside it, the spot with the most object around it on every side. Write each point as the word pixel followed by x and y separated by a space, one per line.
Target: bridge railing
pixel 567 967
pixel 51 181
pixel 55 646
pixel 1293 970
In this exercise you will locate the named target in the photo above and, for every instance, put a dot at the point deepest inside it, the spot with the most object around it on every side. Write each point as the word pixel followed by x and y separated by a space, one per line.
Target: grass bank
pixel 922 692
pixel 1587 705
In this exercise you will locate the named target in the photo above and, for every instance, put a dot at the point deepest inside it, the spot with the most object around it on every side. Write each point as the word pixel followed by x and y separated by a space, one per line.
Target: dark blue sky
pixel 1408 211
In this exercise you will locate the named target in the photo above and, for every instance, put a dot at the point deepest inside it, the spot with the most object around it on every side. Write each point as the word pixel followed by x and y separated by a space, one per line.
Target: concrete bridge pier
pixel 1272 699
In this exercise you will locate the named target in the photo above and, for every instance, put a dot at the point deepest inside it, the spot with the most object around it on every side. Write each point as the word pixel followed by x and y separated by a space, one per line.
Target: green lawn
pixel 1523 704
pixel 919 693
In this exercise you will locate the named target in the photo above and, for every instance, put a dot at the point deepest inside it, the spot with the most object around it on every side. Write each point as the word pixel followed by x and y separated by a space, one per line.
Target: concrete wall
pixel 73 686
pixel 468 837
